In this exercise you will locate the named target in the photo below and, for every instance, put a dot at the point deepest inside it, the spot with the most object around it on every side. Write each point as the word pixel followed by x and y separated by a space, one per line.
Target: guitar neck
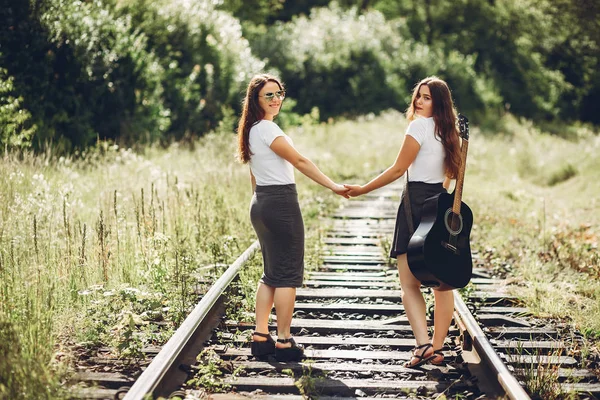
pixel 461 177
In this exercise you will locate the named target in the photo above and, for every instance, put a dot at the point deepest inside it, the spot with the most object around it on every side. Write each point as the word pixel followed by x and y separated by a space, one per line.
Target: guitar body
pixel 436 257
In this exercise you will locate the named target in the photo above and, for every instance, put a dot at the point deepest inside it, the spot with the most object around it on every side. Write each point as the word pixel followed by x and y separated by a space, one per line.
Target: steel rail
pixel 150 380
pixel 486 352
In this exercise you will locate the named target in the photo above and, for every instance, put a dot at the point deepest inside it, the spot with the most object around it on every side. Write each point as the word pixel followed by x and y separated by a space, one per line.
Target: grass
pixel 96 248
pixel 537 221
pixel 547 232
pixel 115 237
pixel 540 375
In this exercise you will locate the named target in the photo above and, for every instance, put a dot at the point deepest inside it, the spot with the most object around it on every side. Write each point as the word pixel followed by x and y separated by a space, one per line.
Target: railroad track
pixel 350 318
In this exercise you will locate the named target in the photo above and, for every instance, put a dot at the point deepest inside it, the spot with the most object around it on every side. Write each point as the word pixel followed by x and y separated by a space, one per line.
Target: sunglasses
pixel 270 95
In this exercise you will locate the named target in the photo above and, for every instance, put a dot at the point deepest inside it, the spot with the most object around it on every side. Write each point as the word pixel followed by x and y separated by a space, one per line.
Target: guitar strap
pixel 407 209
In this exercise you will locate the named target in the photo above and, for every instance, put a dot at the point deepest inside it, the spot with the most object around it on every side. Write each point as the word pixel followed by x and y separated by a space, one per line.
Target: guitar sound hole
pixel 453 222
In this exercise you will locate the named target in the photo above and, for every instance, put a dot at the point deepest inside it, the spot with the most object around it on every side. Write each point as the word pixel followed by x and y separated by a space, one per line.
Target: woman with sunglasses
pixel 275 213
pixel 431 155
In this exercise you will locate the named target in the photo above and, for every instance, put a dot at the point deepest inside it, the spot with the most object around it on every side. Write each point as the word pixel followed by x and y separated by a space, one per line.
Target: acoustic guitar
pixel 439 252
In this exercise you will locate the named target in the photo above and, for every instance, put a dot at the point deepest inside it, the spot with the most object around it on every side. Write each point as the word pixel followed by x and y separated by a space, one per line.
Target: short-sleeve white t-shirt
pixel 428 167
pixel 266 166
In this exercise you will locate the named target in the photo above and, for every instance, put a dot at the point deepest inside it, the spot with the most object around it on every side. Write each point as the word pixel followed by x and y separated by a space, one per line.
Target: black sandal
pixel 292 353
pixel 421 358
pixel 262 350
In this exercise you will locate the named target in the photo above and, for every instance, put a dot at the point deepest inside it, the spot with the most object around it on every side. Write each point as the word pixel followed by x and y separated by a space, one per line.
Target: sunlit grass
pixel 547 231
pixel 88 245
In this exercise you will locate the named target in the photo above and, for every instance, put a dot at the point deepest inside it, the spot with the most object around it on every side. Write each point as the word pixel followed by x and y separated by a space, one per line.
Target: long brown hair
pixel 444 116
pixel 251 113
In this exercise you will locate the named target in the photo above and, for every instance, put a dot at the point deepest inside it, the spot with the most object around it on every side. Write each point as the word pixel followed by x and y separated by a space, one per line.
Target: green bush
pixel 348 63
pixel 132 70
pixel 206 60
pixel 15 125
pixel 331 60
pixel 126 78
pixel 82 72
pixel 473 94
pixel 514 44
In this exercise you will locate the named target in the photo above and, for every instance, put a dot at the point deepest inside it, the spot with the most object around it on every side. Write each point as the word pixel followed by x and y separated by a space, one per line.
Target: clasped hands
pixel 348 191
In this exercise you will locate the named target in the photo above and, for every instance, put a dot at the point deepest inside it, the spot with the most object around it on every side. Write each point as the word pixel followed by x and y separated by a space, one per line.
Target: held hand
pixel 354 190
pixel 341 190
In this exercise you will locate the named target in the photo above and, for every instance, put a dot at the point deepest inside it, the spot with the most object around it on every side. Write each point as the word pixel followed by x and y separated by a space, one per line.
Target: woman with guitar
pixel 431 154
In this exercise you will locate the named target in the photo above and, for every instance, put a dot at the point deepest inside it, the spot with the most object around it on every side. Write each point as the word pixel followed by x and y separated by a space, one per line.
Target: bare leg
pixel 264 304
pixel 285 299
pixel 444 307
pixel 413 301
pixel 414 306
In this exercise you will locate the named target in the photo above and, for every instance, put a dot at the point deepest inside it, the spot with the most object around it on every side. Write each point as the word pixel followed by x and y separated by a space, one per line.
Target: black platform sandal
pixel 262 350
pixel 292 353
pixel 422 359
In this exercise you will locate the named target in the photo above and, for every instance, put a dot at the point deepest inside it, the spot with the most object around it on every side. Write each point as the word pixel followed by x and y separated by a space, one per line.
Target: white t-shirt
pixel 428 167
pixel 266 166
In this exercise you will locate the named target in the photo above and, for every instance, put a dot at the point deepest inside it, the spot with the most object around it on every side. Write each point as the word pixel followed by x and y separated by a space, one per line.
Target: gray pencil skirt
pixel 276 218
pixel 419 192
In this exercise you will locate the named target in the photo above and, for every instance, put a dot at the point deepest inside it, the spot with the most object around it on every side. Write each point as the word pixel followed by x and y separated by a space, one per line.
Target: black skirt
pixel 276 218
pixel 419 192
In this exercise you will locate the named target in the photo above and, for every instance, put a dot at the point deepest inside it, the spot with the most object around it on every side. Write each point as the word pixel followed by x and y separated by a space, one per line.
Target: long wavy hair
pixel 445 117
pixel 252 112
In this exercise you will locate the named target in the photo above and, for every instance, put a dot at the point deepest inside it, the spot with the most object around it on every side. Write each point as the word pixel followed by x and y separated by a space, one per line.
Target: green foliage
pixel 542 55
pixel 86 73
pixel 206 61
pixel 155 241
pixel 16 130
pixel 139 71
pixel 348 63
pixel 133 71
pixel 540 376
pixel 310 383
pixel 288 119
pixel 112 56
pixel 255 11
pixel 331 60
pixel 473 95
pixel 210 372
pixel 268 12
pixel 507 46
pixel 575 34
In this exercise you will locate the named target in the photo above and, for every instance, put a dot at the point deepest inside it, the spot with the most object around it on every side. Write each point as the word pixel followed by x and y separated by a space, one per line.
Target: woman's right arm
pixel 407 154
pixel 283 149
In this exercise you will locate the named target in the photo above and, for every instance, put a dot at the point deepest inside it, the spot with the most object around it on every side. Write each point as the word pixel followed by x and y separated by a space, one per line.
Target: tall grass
pixel 544 232
pixel 89 244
